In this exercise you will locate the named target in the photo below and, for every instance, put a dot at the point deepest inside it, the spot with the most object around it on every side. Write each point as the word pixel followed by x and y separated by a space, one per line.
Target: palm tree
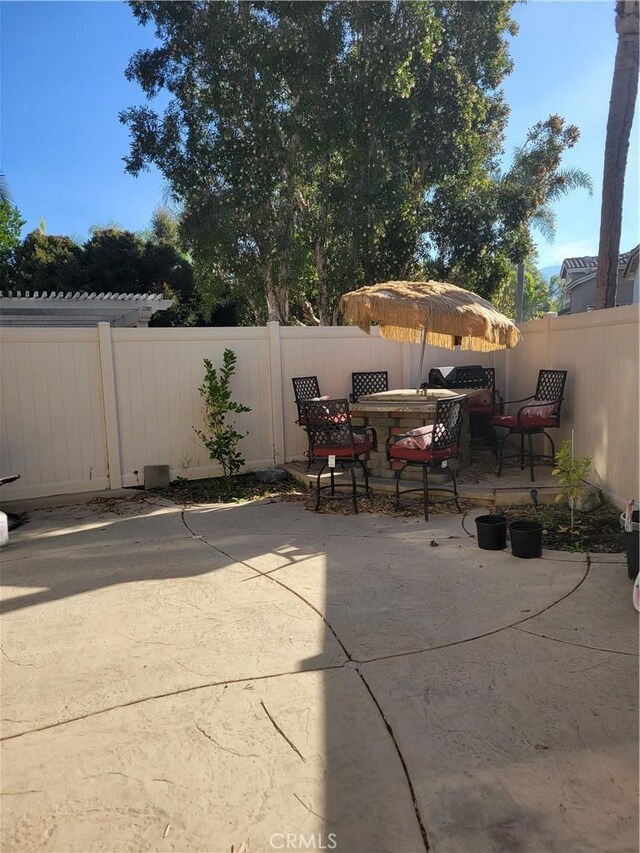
pixel 5 193
pixel 566 180
pixel 624 90
pixel 544 218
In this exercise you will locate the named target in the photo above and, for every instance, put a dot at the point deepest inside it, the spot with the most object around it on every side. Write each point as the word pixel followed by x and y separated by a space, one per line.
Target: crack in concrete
pixel 407 775
pixel 114 773
pixel 281 733
pixel 19 793
pixel 579 645
pixel 171 782
pixel 166 695
pixel 486 633
pixel 311 811
pixel 223 748
pixel 17 662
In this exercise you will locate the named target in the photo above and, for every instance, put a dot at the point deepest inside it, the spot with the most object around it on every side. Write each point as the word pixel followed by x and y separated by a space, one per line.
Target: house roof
pixel 632 262
pixel 78 309
pixel 583 278
pixel 588 262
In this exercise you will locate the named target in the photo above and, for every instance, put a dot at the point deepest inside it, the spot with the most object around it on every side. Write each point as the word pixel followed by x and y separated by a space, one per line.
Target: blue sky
pixel 62 86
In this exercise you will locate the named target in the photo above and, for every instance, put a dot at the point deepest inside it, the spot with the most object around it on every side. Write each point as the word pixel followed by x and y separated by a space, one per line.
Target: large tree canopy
pixel 46 262
pixel 113 259
pixel 319 146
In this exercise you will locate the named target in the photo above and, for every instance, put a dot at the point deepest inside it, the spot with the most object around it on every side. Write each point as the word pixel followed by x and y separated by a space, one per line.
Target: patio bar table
pixel 401 410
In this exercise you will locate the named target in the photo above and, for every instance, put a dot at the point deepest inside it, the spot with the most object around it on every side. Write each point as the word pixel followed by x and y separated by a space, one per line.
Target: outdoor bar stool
pixel 482 407
pixel 541 412
pixel 305 388
pixel 430 445
pixel 328 424
pixel 368 382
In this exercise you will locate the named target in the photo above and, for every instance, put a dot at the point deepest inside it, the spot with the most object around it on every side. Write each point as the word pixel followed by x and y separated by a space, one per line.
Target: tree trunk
pixel 320 247
pixel 624 90
pixel 271 296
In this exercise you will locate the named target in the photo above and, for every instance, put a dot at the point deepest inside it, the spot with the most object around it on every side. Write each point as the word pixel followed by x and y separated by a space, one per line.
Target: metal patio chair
pixel 333 440
pixel 540 413
pixel 429 445
pixel 305 388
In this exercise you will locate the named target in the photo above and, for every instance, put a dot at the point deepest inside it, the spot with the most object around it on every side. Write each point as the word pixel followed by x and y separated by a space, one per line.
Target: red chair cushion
pixel 410 454
pixel 481 410
pixel 361 444
pixel 512 422
pixel 481 400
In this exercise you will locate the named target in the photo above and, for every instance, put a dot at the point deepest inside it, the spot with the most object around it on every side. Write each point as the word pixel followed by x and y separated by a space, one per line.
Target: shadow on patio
pixel 263 674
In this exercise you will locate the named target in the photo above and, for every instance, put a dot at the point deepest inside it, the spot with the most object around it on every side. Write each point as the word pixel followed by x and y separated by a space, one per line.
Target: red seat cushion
pixel 359 447
pixel 511 422
pixel 481 410
pixel 412 454
pixel 482 403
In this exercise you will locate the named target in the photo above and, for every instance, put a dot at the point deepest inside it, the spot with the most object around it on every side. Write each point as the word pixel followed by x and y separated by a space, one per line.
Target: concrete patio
pixel 258 677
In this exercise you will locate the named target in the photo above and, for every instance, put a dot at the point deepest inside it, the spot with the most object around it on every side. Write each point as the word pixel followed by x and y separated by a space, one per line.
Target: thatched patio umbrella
pixel 441 314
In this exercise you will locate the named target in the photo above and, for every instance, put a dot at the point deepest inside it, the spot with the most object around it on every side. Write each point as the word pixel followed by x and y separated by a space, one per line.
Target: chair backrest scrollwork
pixel 474 377
pixel 550 385
pixel 304 388
pixel 447 426
pixel 328 423
pixel 368 382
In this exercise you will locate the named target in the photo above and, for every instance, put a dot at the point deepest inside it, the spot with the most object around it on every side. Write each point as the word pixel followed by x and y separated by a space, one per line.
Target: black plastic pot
pixel 526 538
pixel 632 544
pixel 492 532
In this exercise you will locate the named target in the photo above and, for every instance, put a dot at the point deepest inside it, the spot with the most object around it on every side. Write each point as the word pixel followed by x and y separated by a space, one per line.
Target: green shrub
pixel 571 472
pixel 220 437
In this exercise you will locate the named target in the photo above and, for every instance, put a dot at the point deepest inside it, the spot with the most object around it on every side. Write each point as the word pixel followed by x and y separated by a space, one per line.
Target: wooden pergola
pixel 79 309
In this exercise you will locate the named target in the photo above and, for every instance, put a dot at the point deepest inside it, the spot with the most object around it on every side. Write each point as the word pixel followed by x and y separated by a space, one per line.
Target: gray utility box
pixel 156 476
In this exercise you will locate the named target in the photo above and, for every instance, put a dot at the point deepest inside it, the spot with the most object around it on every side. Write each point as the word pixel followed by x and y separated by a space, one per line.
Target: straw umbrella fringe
pixel 433 312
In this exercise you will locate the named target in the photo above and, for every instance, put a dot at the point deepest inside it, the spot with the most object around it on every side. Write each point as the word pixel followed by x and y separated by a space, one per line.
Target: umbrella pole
pixel 424 341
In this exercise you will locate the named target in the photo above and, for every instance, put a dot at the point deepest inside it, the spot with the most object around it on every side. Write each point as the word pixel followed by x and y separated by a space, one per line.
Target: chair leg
pixel 333 481
pixel 425 486
pixel 493 439
pixel 365 472
pixel 455 490
pixel 353 488
pixel 309 452
pixel 500 452
pixel 397 476
pixel 317 507
pixel 522 451
pixel 530 442
pixel 553 447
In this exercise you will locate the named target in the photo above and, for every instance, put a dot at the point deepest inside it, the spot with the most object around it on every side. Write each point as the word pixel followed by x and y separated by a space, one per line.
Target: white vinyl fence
pixel 87 409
